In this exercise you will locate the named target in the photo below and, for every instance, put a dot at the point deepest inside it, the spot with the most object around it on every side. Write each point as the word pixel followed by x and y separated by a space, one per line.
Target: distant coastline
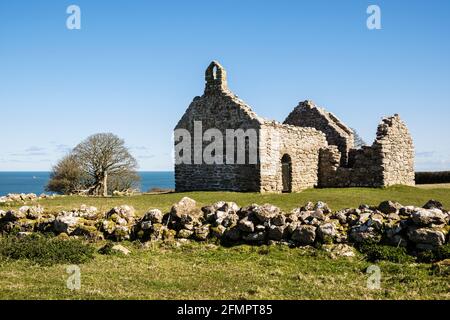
pixel 35 181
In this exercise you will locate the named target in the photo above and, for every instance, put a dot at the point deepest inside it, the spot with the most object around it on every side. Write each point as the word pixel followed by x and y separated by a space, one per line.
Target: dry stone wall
pixel 416 228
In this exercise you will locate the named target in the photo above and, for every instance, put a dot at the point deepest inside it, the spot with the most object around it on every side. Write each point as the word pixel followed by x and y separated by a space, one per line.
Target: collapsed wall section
pixel 389 161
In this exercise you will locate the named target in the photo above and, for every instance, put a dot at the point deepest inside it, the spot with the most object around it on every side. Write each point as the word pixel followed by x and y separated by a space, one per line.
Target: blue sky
pixel 135 66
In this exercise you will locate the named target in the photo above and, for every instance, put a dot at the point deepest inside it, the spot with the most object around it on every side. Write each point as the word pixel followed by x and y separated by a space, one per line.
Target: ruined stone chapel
pixel 311 148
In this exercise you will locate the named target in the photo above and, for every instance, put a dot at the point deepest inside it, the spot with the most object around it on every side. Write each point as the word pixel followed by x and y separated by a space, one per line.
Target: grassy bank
pixel 336 198
pixel 200 271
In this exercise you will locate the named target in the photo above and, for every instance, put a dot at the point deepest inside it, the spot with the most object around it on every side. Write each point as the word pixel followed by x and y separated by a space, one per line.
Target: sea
pixel 35 182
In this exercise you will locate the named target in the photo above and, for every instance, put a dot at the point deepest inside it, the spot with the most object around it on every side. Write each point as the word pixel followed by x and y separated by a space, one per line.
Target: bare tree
pixel 359 141
pixel 101 156
pixel 67 176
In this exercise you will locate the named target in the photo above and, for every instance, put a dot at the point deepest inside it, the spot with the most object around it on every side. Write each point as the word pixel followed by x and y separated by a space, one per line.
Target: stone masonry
pixel 389 161
pixel 307 114
pixel 313 148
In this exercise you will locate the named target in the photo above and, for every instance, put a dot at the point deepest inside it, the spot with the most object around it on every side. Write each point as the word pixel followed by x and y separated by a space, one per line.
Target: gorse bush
pixel 376 252
pixel 106 249
pixel 46 251
pixel 440 253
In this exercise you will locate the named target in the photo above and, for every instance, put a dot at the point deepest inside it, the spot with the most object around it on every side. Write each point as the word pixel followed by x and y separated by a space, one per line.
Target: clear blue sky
pixel 135 66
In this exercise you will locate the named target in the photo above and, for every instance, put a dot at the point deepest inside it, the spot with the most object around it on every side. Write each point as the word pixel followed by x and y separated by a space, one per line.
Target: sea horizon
pixel 35 181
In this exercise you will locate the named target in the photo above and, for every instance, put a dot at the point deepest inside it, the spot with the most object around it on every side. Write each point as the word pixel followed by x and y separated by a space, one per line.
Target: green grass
pixel 336 198
pixel 197 271
pixel 45 250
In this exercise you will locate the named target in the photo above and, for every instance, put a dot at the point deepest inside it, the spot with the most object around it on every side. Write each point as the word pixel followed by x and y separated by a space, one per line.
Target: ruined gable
pixel 218 108
pixel 307 114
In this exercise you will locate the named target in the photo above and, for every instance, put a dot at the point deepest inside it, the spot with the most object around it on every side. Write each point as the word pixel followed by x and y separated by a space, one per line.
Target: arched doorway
pixel 286 173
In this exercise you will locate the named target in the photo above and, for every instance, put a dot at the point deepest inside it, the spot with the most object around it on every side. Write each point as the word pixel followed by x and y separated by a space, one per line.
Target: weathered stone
pixel 376 221
pixel 184 233
pixel 425 217
pixel 233 234
pixel 66 223
pixel 364 233
pixel 12 215
pixel 389 207
pixel 201 233
pixel 363 218
pixel 154 216
pixel 230 220
pixel 291 227
pixel 339 250
pixel 33 212
pixel 218 217
pixel 341 216
pixel 426 236
pixel 398 241
pixel 183 207
pixel 292 217
pixel 188 221
pixel 318 214
pixel 230 208
pixel 309 206
pixel 246 225
pixel 260 228
pixel 146 225
pixel 124 212
pixel 218 231
pixel 433 204
pixel 86 212
pixel 266 212
pixel 121 233
pixel 108 226
pixel 167 234
pixel 254 237
pixel 326 232
pixel 88 232
pixel 322 206
pixel 304 235
pixel 278 220
pixel 276 232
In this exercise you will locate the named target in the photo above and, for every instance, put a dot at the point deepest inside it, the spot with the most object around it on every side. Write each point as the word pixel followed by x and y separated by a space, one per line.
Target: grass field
pixel 336 198
pixel 201 271
pixel 205 271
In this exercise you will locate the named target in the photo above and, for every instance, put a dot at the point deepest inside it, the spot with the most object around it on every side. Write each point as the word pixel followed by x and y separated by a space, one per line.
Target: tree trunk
pixel 105 184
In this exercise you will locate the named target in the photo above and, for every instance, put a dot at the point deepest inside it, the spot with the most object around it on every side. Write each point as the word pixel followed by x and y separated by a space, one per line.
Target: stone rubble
pixel 23 198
